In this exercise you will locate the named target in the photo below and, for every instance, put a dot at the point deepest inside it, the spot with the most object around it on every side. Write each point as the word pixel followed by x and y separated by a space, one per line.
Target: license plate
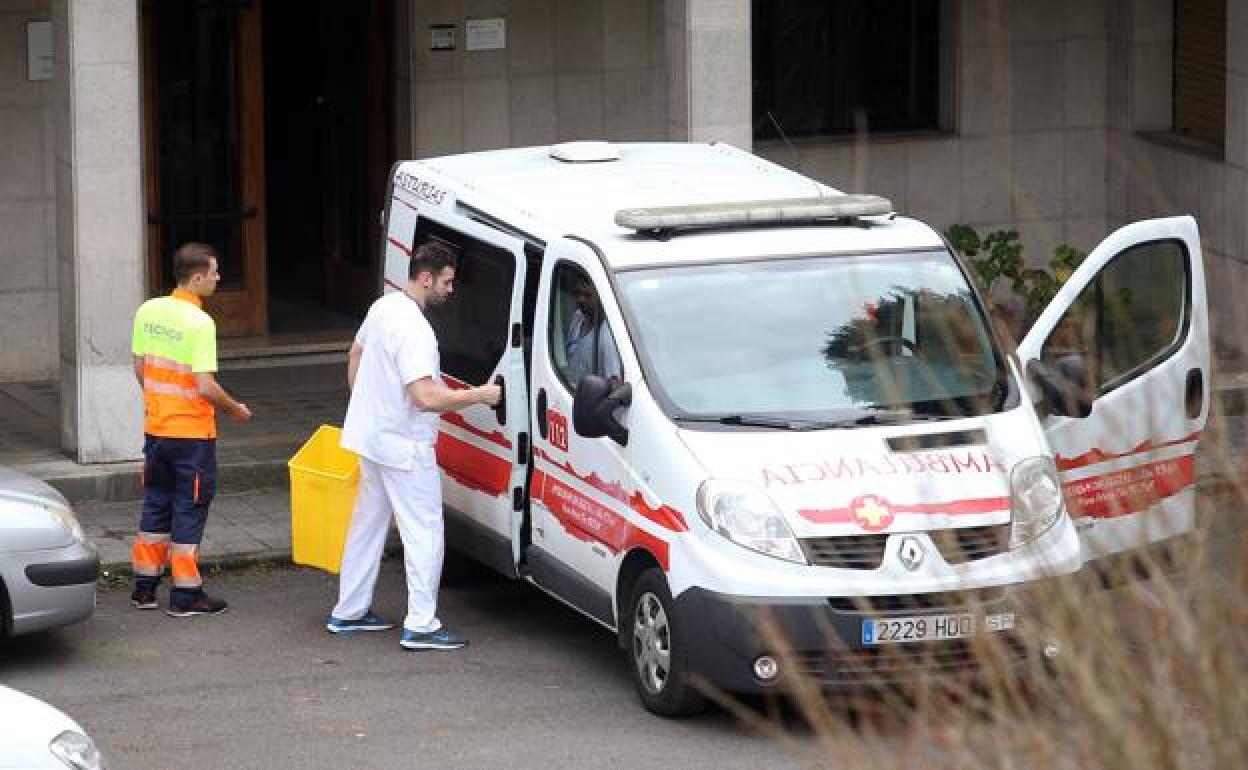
pixel 932 628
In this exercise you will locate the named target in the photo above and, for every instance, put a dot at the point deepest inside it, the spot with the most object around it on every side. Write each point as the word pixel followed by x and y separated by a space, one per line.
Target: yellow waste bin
pixel 324 478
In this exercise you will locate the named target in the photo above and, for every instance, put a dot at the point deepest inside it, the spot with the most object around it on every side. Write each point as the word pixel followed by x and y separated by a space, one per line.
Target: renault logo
pixel 911 553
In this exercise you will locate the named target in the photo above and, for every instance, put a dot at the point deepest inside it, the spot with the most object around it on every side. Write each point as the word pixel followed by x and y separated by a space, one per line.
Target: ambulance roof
pixel 532 191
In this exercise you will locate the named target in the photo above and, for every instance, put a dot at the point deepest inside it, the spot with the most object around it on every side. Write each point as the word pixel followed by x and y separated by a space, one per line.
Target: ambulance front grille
pixel 957 546
pixel 846 552
pixel 896 662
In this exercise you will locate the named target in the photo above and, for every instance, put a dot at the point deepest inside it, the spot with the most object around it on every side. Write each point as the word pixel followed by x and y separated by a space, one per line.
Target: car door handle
pixel 1194 396
pixel 541 412
pixel 500 409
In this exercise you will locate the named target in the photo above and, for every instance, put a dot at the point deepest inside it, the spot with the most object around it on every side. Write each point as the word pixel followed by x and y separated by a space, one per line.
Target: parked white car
pixel 35 735
pixel 48 568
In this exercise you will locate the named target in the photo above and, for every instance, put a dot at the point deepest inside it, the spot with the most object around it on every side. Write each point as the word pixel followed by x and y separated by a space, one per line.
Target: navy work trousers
pixel 179 481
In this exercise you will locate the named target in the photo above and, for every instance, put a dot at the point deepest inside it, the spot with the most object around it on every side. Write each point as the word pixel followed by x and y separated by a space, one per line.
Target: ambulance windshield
pixel 818 338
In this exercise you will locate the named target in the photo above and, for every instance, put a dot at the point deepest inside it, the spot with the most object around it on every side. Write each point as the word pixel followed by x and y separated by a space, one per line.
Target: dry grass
pixel 1151 674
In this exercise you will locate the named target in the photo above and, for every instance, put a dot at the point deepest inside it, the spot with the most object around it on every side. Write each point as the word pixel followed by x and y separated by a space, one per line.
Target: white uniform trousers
pixel 415 498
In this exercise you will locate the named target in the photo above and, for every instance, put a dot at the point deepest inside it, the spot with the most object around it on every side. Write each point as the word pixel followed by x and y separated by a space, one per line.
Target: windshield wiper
pixel 878 417
pixel 762 421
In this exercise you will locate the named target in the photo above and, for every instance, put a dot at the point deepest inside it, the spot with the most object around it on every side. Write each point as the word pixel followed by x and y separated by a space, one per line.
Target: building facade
pixel 267 128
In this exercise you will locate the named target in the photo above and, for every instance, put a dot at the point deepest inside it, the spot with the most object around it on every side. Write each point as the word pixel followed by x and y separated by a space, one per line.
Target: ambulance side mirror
pixel 593 409
pixel 1063 389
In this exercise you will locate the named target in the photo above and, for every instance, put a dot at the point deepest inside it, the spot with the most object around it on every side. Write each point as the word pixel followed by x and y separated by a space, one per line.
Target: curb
pixel 122 483
pixel 231 563
pixel 210 565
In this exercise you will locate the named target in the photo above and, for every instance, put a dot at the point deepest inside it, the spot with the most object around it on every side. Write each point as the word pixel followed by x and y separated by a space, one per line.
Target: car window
pixel 473 328
pixel 581 340
pixel 1126 321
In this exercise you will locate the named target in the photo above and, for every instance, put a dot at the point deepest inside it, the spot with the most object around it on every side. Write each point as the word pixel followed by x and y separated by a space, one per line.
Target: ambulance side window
pixel 1133 316
pixel 581 341
pixel 474 324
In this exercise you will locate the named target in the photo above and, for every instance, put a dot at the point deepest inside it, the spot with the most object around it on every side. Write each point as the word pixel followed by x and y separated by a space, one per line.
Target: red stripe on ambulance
pixel 665 516
pixel 1096 456
pixel 459 421
pixel 851 515
pixel 1130 490
pixel 401 246
pixel 472 466
pixel 589 521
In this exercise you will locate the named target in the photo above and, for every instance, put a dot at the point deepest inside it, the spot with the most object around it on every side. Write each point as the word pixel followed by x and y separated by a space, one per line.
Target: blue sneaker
pixel 369 621
pixel 442 639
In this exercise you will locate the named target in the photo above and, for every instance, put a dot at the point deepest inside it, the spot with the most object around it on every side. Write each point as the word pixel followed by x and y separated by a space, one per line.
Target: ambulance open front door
pixel 1120 362
pixel 482 451
pixel 579 491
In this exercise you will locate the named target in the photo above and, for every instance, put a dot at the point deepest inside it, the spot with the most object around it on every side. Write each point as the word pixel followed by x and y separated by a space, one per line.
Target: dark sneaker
pixel 200 604
pixel 442 639
pixel 144 599
pixel 369 621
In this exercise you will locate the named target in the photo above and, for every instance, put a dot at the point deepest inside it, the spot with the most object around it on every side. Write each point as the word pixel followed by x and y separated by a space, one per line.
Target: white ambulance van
pixel 736 397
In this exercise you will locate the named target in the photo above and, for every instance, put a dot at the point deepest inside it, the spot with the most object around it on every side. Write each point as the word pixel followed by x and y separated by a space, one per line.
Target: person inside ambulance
pixel 589 344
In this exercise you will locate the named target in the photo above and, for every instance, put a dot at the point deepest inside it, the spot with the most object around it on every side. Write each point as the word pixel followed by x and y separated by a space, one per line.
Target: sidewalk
pixel 288 403
pixel 243 528
pixel 250 518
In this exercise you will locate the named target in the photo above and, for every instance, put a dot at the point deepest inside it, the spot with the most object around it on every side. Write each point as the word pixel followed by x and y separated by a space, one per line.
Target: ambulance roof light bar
pixel 762 212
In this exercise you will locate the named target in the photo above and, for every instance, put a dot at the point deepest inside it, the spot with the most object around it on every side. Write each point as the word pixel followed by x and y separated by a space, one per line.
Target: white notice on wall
pixel 40 63
pixel 485 34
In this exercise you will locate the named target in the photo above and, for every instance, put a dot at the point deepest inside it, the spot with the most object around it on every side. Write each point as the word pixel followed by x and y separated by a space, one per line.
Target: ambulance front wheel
pixel 657 649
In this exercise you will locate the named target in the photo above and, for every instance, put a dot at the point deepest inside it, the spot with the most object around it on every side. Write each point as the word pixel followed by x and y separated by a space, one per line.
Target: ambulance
pixel 755 426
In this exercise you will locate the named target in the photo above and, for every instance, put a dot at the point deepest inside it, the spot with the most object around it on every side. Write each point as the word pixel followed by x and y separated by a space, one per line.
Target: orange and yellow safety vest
pixel 175 339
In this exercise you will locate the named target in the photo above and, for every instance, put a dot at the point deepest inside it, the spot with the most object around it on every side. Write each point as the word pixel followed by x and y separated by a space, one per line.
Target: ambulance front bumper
pixel 822 638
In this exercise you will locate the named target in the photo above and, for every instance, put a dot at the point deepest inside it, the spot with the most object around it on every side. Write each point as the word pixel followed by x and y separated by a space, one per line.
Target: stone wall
pixel 29 329
pixel 1026 147
pixel 572 69
pixel 1154 174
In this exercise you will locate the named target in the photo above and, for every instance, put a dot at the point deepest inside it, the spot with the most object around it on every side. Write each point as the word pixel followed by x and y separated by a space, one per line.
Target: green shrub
pixel 998 256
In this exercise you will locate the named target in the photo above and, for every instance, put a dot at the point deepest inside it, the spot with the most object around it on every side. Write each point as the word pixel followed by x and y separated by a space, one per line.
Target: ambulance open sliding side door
pixel 482 451
pixel 1121 357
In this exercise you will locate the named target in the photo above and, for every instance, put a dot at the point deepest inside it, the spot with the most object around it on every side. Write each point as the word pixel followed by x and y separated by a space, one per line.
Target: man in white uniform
pixel 392 424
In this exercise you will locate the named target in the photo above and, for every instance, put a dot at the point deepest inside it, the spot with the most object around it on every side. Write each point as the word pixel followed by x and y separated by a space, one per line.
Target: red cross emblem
pixel 871 512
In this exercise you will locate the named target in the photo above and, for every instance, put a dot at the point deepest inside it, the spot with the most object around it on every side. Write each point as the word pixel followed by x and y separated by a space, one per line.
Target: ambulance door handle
pixel 500 409
pixel 541 412
pixel 1194 393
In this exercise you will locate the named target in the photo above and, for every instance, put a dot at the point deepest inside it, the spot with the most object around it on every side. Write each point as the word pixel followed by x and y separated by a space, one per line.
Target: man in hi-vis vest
pixel 175 358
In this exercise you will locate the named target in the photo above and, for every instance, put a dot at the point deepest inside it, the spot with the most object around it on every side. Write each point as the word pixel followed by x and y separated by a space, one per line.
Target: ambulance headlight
pixel 1035 499
pixel 744 514
pixel 76 750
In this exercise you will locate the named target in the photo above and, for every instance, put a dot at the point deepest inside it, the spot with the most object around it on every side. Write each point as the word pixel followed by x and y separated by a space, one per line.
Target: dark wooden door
pixel 204 149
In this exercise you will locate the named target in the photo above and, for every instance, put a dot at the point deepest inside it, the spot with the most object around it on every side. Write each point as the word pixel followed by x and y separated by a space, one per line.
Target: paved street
pixel 265 686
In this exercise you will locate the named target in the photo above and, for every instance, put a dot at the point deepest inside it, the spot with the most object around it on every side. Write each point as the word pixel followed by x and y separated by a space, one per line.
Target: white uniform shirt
pixel 383 424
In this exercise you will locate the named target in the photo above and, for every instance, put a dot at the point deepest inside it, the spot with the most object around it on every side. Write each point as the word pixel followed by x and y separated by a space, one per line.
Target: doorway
pixel 329 139
pixel 268 134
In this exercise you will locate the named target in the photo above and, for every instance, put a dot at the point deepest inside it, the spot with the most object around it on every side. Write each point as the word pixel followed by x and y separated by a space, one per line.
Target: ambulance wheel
pixel 657 651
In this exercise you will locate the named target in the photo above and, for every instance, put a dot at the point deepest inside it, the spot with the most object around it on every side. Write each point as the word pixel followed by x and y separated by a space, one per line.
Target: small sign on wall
pixel 40 63
pixel 485 34
pixel 441 37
